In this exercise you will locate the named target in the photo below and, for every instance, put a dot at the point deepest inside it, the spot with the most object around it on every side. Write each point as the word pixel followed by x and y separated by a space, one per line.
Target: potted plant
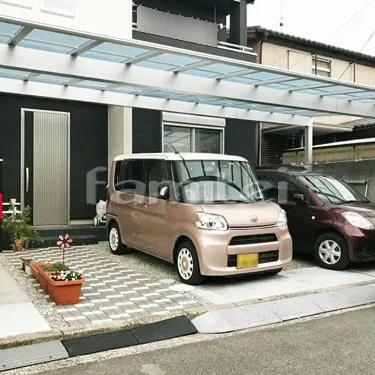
pixel 64 287
pixel 61 283
pixel 19 230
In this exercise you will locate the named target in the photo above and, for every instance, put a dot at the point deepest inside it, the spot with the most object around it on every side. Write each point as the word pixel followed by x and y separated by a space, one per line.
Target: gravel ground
pixel 42 304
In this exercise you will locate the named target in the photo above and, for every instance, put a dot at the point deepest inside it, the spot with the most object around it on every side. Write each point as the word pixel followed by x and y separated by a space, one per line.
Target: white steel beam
pixel 20 35
pixel 113 73
pixel 106 97
pixel 85 47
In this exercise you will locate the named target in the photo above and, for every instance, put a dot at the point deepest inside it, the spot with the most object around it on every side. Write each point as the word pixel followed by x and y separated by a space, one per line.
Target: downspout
pixel 260 132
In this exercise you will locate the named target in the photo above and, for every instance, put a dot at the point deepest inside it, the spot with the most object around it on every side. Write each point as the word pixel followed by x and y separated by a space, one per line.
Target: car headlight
pixel 282 221
pixel 210 221
pixel 357 220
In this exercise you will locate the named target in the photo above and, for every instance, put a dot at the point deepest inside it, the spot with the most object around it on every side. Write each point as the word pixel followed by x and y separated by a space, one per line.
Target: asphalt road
pixel 338 344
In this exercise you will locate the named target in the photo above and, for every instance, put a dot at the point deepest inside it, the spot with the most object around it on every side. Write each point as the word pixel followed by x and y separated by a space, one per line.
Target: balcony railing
pixel 236 47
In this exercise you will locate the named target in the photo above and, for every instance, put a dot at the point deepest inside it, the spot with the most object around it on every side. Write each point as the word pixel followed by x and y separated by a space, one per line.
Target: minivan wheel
pixel 188 264
pixel 331 251
pixel 114 240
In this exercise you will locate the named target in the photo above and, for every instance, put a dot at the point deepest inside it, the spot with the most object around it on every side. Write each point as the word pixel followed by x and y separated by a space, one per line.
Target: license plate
pixel 247 260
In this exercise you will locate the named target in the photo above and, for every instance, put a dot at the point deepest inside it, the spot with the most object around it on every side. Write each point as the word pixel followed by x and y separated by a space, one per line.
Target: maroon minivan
pixel 326 216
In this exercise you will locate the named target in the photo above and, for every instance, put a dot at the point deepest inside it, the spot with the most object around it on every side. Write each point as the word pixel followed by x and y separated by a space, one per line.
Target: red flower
pixel 64 241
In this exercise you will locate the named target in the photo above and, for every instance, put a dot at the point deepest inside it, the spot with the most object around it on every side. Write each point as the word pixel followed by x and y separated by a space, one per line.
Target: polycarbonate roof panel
pixel 96 85
pixel 15 74
pixel 159 58
pixel 48 78
pixel 200 73
pixel 114 52
pixel 155 65
pixel 52 41
pixel 174 59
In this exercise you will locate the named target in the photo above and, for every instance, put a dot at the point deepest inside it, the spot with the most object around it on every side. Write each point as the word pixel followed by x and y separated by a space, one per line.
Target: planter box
pixel 60 292
pixel 65 292
pixel 40 275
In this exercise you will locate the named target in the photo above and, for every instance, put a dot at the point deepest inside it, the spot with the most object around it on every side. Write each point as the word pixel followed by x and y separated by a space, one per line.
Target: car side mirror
pixel 164 192
pixel 299 198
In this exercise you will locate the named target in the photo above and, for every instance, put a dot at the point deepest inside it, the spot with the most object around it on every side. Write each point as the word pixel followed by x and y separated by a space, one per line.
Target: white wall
pixel 176 26
pixel 111 18
pixel 120 135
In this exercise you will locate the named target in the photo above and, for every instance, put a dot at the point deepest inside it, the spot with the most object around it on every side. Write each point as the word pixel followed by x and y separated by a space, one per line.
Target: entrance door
pixel 46 166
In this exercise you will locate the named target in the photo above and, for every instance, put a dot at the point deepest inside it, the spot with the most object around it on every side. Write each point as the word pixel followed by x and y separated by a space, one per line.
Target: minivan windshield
pixel 217 181
pixel 331 190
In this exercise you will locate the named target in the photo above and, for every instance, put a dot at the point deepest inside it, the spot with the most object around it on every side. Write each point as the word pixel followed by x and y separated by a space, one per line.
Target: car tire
pixel 331 251
pixel 187 264
pixel 114 239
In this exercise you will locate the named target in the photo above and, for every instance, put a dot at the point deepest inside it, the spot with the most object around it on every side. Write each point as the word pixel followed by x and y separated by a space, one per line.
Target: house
pixel 297 54
pixel 83 81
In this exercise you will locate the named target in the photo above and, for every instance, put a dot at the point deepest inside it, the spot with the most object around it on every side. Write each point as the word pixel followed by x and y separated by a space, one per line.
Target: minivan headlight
pixel 282 221
pixel 210 221
pixel 357 220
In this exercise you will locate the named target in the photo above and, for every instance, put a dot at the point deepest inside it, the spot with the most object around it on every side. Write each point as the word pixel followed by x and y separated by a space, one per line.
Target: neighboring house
pixel 306 56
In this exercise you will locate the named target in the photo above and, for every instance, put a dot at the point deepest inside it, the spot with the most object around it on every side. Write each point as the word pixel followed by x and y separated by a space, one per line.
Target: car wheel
pixel 331 251
pixel 114 240
pixel 188 264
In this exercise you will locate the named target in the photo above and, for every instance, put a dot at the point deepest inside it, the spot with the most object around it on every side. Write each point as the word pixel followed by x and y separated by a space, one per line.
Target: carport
pixel 51 63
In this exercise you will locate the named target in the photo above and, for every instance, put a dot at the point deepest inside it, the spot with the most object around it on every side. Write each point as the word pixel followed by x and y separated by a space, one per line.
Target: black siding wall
pixel 88 146
pixel 241 138
pixel 146 130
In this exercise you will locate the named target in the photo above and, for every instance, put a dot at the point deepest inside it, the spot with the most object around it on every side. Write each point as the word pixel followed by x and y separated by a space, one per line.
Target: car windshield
pixel 331 190
pixel 217 181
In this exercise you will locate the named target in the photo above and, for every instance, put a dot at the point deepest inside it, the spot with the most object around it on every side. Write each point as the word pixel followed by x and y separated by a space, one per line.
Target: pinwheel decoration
pixel 64 242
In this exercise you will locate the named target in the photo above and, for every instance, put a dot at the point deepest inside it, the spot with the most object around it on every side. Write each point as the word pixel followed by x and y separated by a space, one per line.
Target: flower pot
pixel 65 292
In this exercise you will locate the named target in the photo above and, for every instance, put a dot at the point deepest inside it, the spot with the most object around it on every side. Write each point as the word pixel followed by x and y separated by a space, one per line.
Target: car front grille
pixel 253 239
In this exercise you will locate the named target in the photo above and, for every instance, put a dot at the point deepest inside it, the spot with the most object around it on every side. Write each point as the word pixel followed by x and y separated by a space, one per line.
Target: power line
pixel 368 40
pixel 352 17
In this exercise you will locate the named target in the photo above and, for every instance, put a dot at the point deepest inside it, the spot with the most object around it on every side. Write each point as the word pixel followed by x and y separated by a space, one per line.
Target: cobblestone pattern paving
pixel 111 291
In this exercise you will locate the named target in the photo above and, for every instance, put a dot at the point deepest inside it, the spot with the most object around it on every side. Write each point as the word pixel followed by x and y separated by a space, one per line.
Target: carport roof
pixel 145 73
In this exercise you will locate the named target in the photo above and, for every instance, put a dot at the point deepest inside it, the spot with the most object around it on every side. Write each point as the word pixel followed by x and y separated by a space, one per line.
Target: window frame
pixel 70 14
pixel 193 128
pixel 123 170
pixel 316 69
pixel 167 171
pixel 275 178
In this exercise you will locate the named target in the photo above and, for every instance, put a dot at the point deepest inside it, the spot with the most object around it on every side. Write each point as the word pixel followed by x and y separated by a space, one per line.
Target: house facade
pixel 57 152
pixel 83 81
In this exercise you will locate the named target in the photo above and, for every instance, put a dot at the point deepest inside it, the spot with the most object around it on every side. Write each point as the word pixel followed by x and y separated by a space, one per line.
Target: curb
pixel 118 325
pixel 81 331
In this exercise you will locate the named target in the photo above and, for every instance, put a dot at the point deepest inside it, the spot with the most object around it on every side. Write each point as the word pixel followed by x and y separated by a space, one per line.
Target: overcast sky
pixel 343 23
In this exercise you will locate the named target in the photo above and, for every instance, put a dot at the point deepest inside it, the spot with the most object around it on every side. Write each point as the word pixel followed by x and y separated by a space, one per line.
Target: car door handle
pixel 140 204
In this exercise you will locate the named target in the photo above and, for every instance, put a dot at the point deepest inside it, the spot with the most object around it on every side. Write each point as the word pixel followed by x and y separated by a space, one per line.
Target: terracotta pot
pixel 65 292
pixel 41 275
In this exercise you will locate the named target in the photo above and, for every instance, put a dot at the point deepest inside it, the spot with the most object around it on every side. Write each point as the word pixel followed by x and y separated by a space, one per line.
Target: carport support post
pixel 309 146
